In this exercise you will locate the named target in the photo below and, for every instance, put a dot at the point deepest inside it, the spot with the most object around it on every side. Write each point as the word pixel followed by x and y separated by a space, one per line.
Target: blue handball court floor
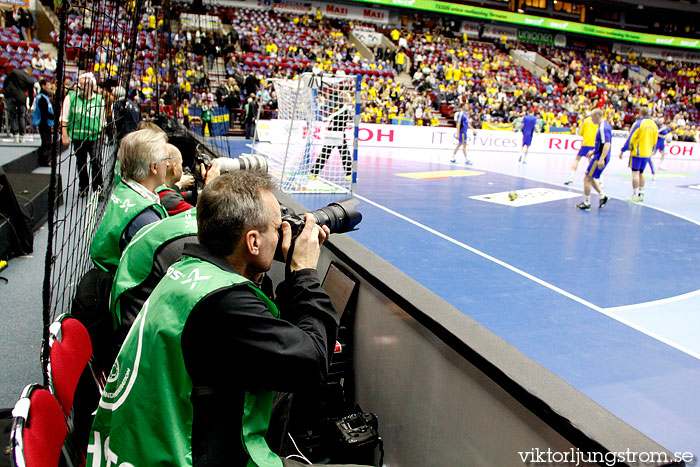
pixel 607 299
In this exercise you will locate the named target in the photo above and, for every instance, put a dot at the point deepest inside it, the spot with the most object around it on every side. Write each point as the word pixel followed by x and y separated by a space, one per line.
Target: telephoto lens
pixel 339 217
pixel 249 162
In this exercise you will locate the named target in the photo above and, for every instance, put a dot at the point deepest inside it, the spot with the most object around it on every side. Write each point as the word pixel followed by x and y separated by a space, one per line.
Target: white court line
pixel 662 301
pixel 642 204
pixel 563 292
pixel 522 273
pixel 633 306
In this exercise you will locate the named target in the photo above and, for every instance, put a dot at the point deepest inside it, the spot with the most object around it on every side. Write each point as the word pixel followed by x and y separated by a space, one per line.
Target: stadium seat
pixel 70 352
pixel 73 378
pixel 39 429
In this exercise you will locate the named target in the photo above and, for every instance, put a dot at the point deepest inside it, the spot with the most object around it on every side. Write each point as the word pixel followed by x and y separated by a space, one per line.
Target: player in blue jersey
pixel 665 136
pixel 598 162
pixel 462 120
pixel 528 126
pixel 588 130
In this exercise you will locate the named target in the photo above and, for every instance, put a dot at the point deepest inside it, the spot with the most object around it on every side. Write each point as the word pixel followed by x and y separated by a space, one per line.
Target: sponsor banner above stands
pixel 540 22
pixel 370 39
pixel 21 3
pixel 491 31
pixel 538 37
pixel 495 141
pixel 329 9
pixel 206 22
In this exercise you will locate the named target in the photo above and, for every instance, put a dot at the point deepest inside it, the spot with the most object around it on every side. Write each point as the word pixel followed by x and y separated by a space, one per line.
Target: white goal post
pixel 312 145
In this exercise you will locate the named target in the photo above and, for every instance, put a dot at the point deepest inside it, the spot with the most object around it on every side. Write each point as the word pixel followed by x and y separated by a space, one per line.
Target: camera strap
pixel 288 262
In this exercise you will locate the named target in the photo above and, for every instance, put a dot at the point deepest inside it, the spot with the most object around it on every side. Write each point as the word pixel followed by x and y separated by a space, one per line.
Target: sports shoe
pixel 640 198
pixel 583 205
pixel 21 138
pixel 569 181
pixel 635 199
pixel 453 160
pixel 520 159
pixel 16 138
pixel 468 162
pixel 603 201
pixel 313 177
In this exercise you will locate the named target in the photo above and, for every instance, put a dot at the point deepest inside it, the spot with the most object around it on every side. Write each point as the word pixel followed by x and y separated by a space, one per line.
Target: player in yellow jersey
pixel 588 130
pixel 641 143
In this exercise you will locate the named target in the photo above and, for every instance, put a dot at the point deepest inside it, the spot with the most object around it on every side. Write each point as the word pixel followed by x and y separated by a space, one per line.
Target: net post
pixel 53 193
pixel 291 127
pixel 356 133
pixel 255 131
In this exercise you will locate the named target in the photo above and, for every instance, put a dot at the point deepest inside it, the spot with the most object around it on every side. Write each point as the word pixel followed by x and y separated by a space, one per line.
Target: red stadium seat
pixel 70 352
pixel 39 429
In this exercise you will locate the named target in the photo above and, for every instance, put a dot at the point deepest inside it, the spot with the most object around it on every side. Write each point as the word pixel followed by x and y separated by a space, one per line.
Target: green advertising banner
pixel 537 21
pixel 538 37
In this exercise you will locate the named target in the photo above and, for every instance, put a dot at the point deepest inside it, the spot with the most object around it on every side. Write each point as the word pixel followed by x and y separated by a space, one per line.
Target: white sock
pixel 635 192
pixel 587 199
pixel 641 191
pixel 601 194
pixel 573 172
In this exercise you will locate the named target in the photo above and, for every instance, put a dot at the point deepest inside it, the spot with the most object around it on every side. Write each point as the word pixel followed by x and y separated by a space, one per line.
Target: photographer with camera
pixel 143 159
pixel 172 193
pixel 212 346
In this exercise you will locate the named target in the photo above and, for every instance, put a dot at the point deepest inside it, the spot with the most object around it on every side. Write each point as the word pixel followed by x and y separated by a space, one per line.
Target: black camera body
pixel 358 429
pixel 339 217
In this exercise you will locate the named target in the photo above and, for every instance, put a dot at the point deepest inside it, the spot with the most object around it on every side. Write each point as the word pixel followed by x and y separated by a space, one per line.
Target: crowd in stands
pixel 595 79
pixel 483 74
pixel 21 18
pixel 420 80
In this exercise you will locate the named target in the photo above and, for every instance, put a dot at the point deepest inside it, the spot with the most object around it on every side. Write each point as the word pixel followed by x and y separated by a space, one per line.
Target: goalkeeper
pixel 335 137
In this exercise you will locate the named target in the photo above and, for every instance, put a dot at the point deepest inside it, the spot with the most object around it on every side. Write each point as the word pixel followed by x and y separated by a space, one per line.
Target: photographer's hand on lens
pixel 211 174
pixel 307 246
pixel 185 181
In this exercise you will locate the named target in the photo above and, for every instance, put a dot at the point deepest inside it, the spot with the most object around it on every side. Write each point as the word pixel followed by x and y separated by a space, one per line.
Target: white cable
pixel 298 450
pixel 294 455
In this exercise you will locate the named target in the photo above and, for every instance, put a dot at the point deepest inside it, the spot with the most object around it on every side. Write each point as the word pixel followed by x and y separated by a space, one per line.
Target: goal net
pixel 312 145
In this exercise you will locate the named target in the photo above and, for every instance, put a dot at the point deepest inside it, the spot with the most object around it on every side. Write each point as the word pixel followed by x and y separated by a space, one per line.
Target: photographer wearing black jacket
pixel 212 346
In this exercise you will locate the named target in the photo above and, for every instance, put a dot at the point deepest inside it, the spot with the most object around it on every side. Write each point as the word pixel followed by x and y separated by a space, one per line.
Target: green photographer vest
pixel 145 413
pixel 123 206
pixel 136 263
pixel 84 122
